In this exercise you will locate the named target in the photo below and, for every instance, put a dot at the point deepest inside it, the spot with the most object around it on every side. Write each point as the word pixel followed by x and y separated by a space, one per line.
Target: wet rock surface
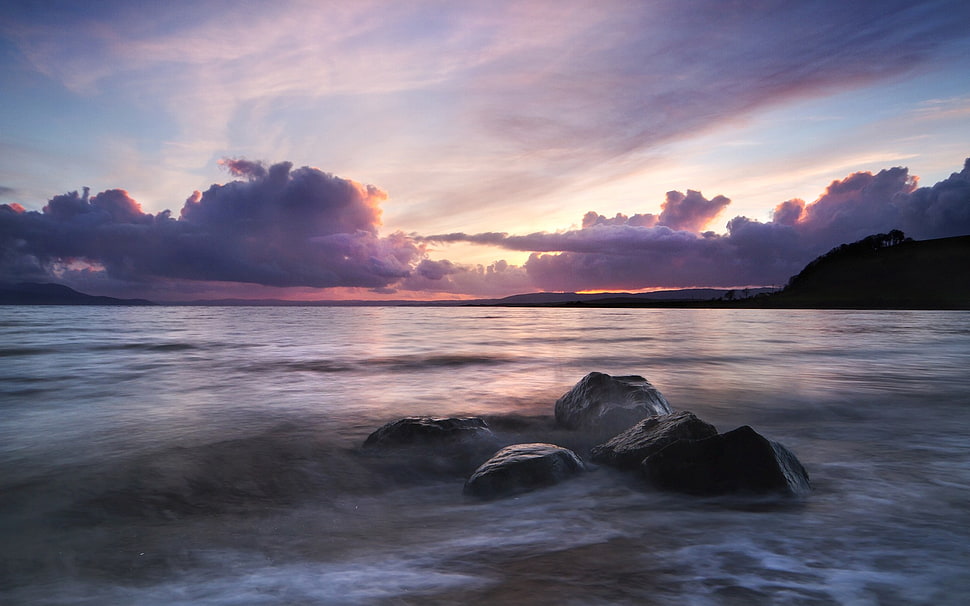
pixel 429 431
pixel 628 449
pixel 607 404
pixel 522 467
pixel 739 461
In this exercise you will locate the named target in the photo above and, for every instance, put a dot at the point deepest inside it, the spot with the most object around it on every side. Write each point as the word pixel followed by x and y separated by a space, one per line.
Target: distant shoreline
pixel 879 272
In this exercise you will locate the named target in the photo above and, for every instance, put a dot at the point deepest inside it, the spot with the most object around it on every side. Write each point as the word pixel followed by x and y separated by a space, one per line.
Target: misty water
pixel 195 455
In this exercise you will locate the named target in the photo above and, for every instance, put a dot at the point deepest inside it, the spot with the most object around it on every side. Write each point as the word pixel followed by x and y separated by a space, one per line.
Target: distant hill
pixel 536 299
pixel 884 271
pixel 596 299
pixel 686 297
pixel 28 293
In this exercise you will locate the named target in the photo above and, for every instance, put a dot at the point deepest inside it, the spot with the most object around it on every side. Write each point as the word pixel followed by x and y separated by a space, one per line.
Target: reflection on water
pixel 211 456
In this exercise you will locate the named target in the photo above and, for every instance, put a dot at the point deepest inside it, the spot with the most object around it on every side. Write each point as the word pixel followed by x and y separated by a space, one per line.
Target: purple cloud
pixel 690 211
pixel 286 228
pixel 282 227
pixel 240 167
pixel 665 250
pixel 497 279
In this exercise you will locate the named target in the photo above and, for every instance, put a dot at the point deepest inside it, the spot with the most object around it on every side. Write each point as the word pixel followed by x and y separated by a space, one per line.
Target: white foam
pixel 792 570
pixel 241 580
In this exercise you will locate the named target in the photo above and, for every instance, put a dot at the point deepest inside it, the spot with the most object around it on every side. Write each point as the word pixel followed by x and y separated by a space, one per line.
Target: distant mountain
pixel 622 298
pixel 28 293
pixel 884 271
pixel 524 300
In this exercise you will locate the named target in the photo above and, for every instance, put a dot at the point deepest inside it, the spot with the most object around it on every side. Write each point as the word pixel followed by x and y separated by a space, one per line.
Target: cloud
pixel 640 74
pixel 286 227
pixel 690 211
pixel 641 251
pixel 497 279
pixel 551 93
pixel 240 167
pixel 281 227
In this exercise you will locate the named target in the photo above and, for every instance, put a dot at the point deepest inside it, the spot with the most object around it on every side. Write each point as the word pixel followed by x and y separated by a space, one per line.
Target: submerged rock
pixel 741 460
pixel 521 468
pixel 609 404
pixel 628 449
pixel 421 449
pixel 429 431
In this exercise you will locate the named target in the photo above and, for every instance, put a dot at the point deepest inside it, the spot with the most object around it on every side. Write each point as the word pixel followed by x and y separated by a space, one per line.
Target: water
pixel 181 455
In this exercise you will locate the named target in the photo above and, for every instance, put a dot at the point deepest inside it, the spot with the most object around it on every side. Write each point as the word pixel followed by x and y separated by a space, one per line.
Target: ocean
pixel 212 456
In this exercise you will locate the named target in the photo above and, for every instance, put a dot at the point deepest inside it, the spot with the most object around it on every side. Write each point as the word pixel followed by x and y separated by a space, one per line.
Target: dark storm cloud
pixel 640 251
pixel 282 227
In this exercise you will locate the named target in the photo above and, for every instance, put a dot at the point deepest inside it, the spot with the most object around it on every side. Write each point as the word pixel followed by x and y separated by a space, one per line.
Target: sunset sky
pixel 415 150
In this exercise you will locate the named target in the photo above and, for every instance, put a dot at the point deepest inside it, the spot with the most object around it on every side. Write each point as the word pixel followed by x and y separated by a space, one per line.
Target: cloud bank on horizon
pixel 276 226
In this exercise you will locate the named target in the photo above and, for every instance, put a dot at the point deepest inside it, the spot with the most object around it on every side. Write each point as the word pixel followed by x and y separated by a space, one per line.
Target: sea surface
pixel 212 456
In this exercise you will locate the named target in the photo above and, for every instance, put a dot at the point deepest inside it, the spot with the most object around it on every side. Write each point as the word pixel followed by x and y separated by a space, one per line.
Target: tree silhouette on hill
pixel 844 251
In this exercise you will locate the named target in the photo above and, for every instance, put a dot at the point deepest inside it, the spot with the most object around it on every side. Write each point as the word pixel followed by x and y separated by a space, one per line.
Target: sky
pixel 431 149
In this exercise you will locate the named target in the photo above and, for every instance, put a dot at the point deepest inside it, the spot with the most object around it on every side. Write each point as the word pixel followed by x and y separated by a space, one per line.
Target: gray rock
pixel 739 461
pixel 429 431
pixel 628 449
pixel 522 467
pixel 608 404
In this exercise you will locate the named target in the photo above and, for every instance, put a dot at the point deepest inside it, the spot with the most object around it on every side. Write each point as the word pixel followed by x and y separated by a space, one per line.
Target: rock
pixel 628 449
pixel 608 404
pixel 741 460
pixel 521 468
pixel 429 431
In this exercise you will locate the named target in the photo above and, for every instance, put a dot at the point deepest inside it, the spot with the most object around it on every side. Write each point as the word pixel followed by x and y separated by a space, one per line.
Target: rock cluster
pixel 671 450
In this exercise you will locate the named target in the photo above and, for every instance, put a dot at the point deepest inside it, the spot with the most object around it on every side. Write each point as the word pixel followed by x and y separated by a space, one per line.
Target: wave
pixel 404 363
pixel 59 348
pixel 150 347
pixel 321 366
pixel 16 352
